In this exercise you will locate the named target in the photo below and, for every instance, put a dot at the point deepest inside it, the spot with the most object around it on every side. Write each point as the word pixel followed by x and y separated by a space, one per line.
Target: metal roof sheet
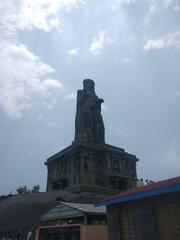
pixel 66 210
pixel 88 208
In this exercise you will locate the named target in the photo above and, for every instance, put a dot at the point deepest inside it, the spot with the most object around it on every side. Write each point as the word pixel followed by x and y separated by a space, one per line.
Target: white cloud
pixel 22 75
pixel 156 7
pixel 69 4
pixel 40 116
pixel 171 158
pixel 174 4
pixel 117 131
pixel 118 3
pixel 98 43
pixel 153 8
pixel 127 60
pixel 27 14
pixel 50 102
pixel 52 83
pixel 104 107
pixel 114 8
pixel 70 96
pixel 177 93
pixel 51 124
pixel 73 51
pixel 171 39
pixel 126 1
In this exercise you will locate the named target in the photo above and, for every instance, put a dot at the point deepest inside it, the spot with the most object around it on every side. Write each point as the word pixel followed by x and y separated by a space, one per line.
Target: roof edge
pixel 118 198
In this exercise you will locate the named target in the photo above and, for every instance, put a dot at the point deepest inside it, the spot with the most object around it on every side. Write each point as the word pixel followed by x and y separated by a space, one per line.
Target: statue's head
pixel 88 85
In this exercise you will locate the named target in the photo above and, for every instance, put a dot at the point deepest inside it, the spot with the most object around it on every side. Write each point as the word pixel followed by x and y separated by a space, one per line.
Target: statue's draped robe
pixel 89 126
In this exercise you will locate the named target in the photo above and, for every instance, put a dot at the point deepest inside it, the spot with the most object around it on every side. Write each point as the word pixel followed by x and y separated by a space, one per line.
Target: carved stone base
pixel 86 167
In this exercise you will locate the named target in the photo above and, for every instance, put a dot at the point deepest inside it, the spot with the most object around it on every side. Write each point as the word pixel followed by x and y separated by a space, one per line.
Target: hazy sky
pixel 130 48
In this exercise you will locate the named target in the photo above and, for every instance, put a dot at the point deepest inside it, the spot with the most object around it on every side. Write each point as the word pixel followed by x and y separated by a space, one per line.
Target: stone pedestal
pixel 98 168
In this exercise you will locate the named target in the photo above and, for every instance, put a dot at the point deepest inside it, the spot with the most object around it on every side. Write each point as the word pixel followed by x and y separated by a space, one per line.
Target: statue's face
pixel 88 85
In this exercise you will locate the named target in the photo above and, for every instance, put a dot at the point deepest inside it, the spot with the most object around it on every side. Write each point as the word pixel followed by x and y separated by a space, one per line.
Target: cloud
pixel 104 107
pixel 171 158
pixel 70 96
pixel 174 4
pixel 177 93
pixel 52 83
pixel 98 43
pixel 50 103
pixel 27 14
pixel 69 4
pixel 126 1
pixel 127 60
pixel 171 39
pixel 118 3
pixel 114 8
pixel 156 7
pixel 23 75
pixel 117 131
pixel 73 52
pixel 39 116
pixel 153 8
pixel 51 124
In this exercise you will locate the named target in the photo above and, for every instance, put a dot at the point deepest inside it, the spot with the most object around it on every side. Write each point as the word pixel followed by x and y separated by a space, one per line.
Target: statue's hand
pixel 101 100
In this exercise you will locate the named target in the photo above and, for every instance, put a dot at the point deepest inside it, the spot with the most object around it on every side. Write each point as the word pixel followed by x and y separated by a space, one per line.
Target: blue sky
pixel 130 48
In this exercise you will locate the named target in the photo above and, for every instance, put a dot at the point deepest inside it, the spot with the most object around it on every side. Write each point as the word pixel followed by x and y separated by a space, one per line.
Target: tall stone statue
pixel 89 126
pixel 89 165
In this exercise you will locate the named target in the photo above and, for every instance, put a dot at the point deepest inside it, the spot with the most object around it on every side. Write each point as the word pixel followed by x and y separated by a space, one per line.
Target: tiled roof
pixel 161 187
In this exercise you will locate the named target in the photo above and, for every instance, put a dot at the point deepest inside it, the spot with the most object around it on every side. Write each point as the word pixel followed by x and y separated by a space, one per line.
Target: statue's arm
pixel 99 101
pixel 80 97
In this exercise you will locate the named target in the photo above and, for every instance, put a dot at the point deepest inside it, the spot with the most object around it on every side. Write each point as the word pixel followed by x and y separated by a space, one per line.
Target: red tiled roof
pixel 145 188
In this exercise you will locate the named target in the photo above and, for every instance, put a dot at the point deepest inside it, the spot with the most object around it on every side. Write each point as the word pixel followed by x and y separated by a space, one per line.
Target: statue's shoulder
pixel 79 91
pixel 80 95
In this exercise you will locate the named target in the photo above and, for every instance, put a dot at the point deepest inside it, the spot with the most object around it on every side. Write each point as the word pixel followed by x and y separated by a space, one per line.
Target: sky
pixel 130 48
